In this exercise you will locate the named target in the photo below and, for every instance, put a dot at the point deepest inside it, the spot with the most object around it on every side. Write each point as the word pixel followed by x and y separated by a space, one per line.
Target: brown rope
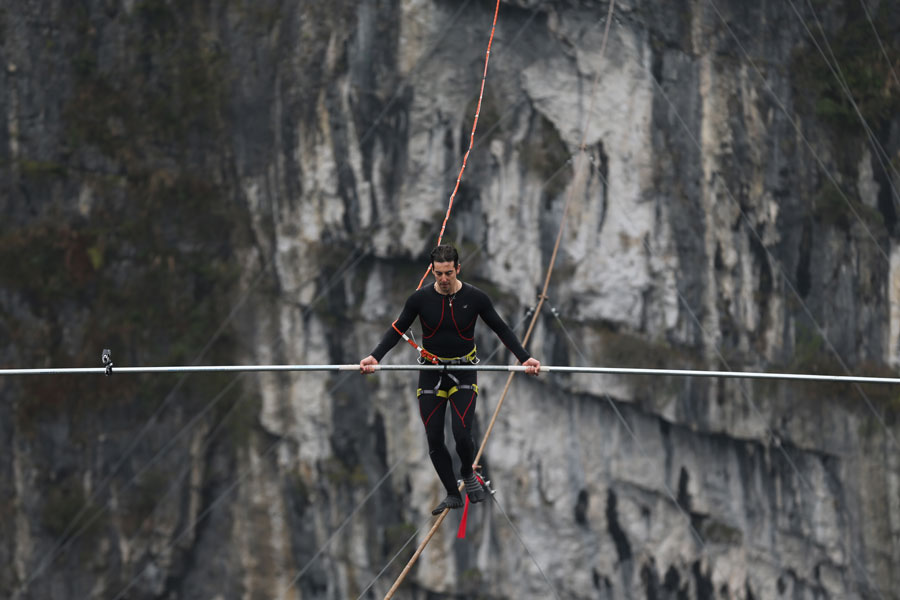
pixel 579 164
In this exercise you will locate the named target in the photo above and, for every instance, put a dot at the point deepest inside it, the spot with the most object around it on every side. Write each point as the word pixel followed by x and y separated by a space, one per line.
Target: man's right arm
pixel 391 337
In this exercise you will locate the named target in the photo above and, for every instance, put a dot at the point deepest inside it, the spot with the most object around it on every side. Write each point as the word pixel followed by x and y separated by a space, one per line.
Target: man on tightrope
pixel 447 311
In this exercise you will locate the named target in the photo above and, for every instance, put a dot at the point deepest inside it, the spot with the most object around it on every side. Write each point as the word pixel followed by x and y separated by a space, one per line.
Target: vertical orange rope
pixel 487 58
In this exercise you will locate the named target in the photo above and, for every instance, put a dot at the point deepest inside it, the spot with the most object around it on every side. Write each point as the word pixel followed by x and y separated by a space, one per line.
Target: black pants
pixel 436 391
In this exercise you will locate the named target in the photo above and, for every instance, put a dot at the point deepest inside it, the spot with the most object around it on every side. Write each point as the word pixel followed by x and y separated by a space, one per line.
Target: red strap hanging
pixel 461 532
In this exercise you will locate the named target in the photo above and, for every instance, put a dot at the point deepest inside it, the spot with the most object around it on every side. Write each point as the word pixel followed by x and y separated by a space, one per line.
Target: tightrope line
pixel 504 368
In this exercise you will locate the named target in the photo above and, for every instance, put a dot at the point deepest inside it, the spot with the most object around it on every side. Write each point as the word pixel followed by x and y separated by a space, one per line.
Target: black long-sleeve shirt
pixel 448 323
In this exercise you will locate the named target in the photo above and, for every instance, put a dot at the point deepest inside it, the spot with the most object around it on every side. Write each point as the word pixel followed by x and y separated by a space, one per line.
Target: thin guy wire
pixel 637 441
pixel 66 542
pixel 215 502
pixel 176 482
pixel 793 289
pixel 790 119
pixel 390 562
pixel 340 527
pixel 65 538
pixel 884 53
pixel 778 264
pixel 787 281
pixel 423 58
pixel 838 75
pixel 194 522
pixel 524 545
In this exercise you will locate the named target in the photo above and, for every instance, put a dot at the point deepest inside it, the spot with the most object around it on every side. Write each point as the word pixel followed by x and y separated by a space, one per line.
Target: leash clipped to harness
pixel 424 355
pixel 427 357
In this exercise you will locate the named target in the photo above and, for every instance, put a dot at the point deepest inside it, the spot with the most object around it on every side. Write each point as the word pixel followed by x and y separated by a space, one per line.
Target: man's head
pixel 445 266
pixel 444 253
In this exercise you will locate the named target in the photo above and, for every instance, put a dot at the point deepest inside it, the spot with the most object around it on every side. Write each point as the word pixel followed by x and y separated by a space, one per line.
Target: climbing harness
pixel 437 391
pixel 426 357
pixel 468 359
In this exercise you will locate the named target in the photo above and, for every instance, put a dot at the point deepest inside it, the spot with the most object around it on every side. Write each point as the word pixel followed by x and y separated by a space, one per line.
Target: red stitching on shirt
pixel 434 331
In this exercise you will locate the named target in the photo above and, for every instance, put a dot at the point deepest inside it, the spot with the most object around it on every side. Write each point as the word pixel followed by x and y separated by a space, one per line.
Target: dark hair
pixel 445 253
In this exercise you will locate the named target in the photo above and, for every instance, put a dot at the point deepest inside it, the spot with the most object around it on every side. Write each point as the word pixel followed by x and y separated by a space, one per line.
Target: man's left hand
pixel 532 366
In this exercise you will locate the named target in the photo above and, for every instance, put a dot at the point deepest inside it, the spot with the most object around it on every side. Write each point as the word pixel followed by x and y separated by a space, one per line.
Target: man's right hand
pixel 368 364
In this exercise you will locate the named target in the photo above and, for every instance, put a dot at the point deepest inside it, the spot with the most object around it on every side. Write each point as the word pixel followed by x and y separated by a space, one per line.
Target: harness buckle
pixel 469 359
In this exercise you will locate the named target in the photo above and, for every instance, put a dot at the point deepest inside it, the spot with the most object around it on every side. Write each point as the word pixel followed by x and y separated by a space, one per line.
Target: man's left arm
pixel 490 316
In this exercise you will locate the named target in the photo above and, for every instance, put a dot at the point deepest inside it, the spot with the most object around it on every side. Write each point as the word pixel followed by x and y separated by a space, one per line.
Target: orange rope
pixel 487 57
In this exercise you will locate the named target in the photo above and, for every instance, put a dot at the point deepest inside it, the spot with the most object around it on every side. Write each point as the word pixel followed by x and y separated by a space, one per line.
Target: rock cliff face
pixel 261 182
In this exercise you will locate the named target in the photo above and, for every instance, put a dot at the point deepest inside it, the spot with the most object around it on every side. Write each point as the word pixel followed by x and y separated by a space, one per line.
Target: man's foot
pixel 474 489
pixel 451 501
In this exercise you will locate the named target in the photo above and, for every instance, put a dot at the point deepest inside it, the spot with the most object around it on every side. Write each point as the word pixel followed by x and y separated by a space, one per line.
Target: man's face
pixel 445 276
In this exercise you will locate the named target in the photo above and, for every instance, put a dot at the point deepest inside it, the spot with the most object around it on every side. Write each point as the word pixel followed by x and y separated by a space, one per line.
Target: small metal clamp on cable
pixel 484 482
pixel 106 359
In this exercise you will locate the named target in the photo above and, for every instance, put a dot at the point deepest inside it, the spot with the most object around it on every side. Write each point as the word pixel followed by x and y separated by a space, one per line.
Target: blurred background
pixel 251 182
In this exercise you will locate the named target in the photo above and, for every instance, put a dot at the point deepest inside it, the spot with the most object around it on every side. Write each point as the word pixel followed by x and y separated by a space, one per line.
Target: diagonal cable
pixel 759 414
pixel 776 262
pixel 423 58
pixel 68 539
pixel 524 545
pixel 637 440
pixel 393 558
pixel 800 133
pixel 191 526
pixel 884 53
pixel 340 527
pixel 802 302
pixel 838 74
pixel 70 532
